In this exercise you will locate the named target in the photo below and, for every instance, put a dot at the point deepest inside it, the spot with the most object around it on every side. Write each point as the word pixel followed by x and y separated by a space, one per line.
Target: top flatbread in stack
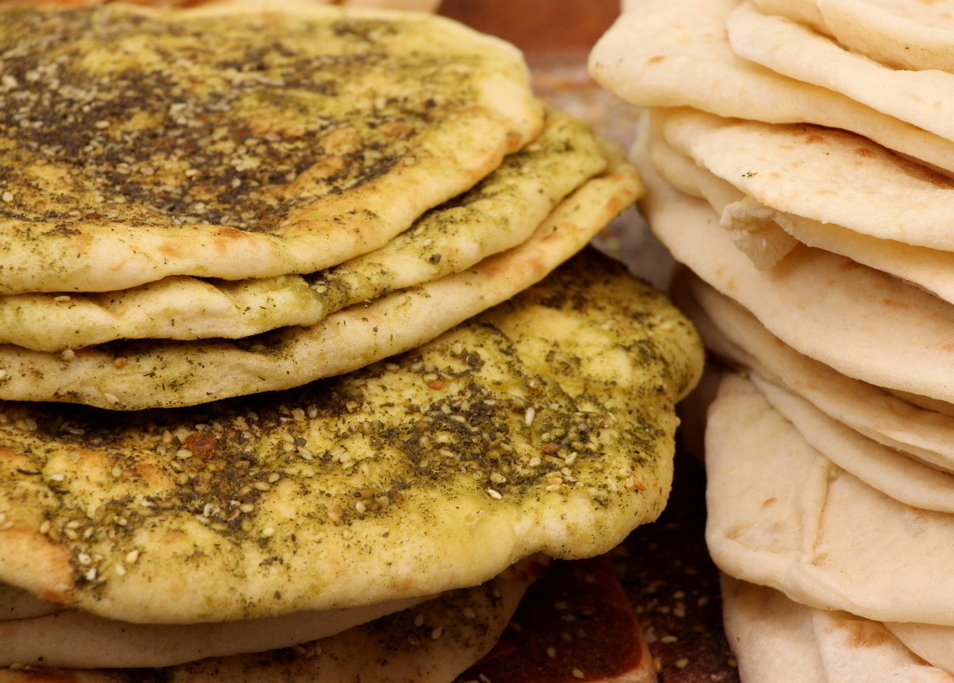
pixel 140 144
pixel 234 173
pixel 794 173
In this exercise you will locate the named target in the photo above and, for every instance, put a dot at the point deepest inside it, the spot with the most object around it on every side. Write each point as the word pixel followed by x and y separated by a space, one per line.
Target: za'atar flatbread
pixel 158 373
pixel 237 141
pixel 546 425
pixel 498 213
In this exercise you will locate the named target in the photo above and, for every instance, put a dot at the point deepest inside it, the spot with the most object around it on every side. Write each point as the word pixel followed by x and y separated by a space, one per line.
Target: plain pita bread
pixel 432 643
pixel 732 333
pixel 904 34
pixel 239 165
pixel 545 425
pixel 766 234
pixel 134 376
pixel 500 212
pixel 674 53
pixel 922 98
pixel 879 194
pixel 782 515
pixel 776 639
pixel 861 322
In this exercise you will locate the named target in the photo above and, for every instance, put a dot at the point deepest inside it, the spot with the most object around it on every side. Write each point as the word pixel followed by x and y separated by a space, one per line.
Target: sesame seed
pixel 578 674
pixel 132 557
pixel 268 532
pixel 437 633
pixel 120 570
pixel 68 354
pixel 551 652
pixel 681 663
pixel 494 494
pixel 419 621
pixel 529 416
pixel 184 453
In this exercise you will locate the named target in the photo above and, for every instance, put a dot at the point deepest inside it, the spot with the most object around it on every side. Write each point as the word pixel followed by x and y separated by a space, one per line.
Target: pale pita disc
pixel 775 639
pixel 165 374
pixel 673 53
pixel 431 643
pixel 929 642
pixel 922 98
pixel 545 425
pixel 862 322
pixel 734 334
pixel 498 213
pixel 231 159
pixel 75 639
pixel 904 34
pixel 782 515
pixel 793 168
pixel 766 234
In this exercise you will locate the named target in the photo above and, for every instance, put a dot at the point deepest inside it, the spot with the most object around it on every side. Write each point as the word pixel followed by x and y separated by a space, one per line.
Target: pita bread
pixel 879 194
pixel 735 335
pixel 825 306
pixel 922 98
pixel 134 376
pixel 431 643
pixel 674 53
pixel 498 213
pixel 766 235
pixel 899 33
pixel 930 643
pixel 75 639
pixel 776 639
pixel 218 172
pixel 546 425
pixel 782 515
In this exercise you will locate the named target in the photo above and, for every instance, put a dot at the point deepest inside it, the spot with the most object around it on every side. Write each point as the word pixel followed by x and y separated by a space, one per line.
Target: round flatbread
pixel 861 322
pixel 498 213
pixel 675 53
pixel 546 425
pixel 735 335
pixel 782 515
pixel 776 639
pixel 133 376
pixel 922 98
pixel 237 141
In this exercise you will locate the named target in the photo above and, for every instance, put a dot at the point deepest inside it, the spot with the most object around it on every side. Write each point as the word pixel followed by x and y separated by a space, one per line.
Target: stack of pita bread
pixel 289 363
pixel 798 162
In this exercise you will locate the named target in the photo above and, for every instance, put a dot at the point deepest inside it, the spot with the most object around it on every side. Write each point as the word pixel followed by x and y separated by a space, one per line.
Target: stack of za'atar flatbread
pixel 798 161
pixel 302 377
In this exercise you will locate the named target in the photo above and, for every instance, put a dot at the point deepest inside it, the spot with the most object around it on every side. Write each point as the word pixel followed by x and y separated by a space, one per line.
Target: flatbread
pixel 498 213
pixel 243 161
pixel 75 639
pixel 431 643
pixel 780 514
pixel 155 374
pixel 899 33
pixel 879 194
pixel 545 425
pixel 735 335
pixel 766 234
pixel 922 98
pixel 776 639
pixel 859 321
pixel 675 53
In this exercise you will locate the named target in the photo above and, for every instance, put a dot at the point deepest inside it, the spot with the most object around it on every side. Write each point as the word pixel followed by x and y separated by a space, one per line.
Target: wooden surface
pixel 538 27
